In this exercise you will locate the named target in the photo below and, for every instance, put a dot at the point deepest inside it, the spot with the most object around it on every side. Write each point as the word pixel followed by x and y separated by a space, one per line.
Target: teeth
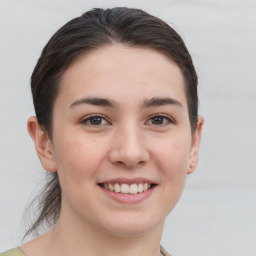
pixel 125 188
pixel 111 187
pixel 140 188
pixel 117 188
pixel 145 186
pixel 133 189
pixel 128 189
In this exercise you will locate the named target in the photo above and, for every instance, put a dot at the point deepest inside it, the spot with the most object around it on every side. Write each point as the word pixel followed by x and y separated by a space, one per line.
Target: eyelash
pixel 167 118
pixel 88 120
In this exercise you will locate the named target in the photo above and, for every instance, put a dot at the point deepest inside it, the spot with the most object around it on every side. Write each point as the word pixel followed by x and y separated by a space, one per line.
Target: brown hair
pixel 94 29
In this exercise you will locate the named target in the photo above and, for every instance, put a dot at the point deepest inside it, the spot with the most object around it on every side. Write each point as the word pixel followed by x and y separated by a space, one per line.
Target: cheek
pixel 173 155
pixel 173 161
pixel 174 171
pixel 77 158
pixel 174 165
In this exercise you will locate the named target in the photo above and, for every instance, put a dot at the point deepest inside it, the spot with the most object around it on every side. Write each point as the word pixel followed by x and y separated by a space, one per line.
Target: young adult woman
pixel 117 129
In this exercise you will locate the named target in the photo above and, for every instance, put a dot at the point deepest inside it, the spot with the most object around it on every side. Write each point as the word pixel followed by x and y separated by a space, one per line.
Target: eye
pixel 160 120
pixel 95 120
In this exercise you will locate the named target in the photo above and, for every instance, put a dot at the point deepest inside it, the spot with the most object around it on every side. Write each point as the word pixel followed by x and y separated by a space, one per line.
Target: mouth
pixel 130 189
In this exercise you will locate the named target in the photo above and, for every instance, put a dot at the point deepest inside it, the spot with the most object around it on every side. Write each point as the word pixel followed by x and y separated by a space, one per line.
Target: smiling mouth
pixel 126 188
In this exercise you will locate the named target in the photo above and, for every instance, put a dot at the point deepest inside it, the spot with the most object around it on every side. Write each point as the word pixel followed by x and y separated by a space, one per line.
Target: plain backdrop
pixel 217 212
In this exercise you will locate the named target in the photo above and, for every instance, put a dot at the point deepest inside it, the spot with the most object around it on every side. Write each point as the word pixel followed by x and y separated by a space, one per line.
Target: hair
pixel 94 29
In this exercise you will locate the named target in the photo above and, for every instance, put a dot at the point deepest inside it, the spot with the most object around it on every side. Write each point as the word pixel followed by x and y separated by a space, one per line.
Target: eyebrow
pixel 103 102
pixel 160 102
pixel 94 101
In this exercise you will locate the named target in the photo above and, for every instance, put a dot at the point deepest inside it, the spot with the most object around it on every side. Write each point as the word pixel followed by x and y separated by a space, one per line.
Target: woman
pixel 117 129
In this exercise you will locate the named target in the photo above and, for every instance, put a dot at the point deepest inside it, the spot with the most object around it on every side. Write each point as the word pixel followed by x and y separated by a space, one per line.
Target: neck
pixel 71 238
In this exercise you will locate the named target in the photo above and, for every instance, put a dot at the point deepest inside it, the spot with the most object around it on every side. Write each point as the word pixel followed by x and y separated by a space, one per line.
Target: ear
pixel 195 143
pixel 43 144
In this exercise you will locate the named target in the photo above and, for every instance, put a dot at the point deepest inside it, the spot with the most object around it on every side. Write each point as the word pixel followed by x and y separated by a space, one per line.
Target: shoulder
pixel 164 252
pixel 13 252
pixel 18 252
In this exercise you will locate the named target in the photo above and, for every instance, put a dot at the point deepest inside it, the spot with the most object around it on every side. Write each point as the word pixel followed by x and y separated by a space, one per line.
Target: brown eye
pixel 157 120
pixel 160 120
pixel 95 121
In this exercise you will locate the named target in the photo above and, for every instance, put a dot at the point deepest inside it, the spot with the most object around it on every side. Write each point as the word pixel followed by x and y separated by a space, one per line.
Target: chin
pixel 132 225
pixel 128 230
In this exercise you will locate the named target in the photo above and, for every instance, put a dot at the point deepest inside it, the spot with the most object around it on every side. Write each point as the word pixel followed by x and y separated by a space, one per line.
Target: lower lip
pixel 129 198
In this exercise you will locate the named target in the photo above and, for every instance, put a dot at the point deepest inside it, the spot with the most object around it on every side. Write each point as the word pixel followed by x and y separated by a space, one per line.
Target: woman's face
pixel 120 122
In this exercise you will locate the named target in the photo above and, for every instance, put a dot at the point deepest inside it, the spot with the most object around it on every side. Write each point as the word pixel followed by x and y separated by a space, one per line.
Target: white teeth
pixel 145 186
pixel 140 188
pixel 111 187
pixel 117 188
pixel 133 189
pixel 127 189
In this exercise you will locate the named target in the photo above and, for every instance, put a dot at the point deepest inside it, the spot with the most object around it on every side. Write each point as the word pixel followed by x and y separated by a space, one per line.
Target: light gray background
pixel 217 212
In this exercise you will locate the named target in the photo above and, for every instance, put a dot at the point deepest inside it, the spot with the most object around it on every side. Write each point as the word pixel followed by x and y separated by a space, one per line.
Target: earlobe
pixel 43 144
pixel 195 144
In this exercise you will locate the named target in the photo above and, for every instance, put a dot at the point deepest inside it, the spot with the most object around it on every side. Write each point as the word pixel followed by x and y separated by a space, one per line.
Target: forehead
pixel 115 70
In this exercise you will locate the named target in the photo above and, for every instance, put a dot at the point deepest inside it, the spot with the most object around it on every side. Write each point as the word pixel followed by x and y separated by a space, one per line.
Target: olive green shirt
pixel 18 252
pixel 13 252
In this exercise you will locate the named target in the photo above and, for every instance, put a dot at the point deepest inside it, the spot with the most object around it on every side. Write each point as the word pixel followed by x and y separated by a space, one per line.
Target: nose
pixel 128 148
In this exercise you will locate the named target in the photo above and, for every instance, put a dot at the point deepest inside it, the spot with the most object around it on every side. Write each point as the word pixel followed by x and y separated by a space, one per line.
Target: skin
pixel 129 140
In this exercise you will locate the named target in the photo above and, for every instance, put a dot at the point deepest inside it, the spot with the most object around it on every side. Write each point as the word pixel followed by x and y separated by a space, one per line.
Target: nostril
pixel 129 164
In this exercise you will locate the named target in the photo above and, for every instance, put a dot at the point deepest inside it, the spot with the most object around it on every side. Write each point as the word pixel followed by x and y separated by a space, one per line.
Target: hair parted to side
pixel 94 29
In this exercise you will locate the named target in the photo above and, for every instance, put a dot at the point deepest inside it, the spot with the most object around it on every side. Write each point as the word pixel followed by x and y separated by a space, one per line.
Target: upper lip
pixel 128 181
